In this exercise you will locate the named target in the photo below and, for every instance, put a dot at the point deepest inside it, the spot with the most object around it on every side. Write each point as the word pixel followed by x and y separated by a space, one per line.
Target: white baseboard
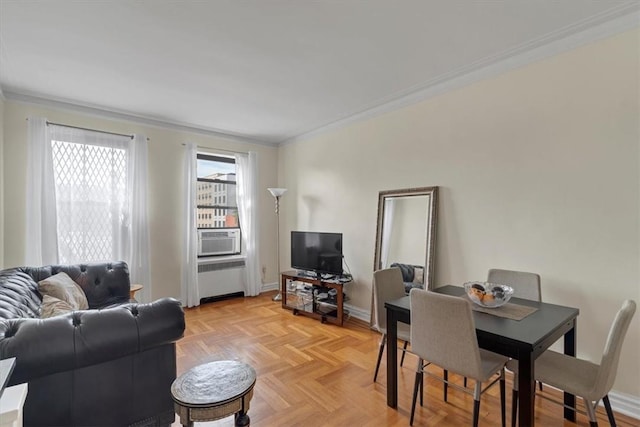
pixel 274 286
pixel 358 313
pixel 625 404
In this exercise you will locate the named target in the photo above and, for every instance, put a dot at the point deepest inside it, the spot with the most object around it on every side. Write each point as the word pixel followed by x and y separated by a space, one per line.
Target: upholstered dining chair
pixel 451 343
pixel 525 285
pixel 580 377
pixel 388 286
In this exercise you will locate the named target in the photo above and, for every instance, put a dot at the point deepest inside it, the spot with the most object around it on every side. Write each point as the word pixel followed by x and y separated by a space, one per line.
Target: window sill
pixel 221 258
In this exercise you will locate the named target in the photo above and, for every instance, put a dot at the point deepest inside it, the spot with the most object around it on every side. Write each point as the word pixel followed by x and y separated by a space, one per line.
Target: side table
pixel 213 391
pixel 134 288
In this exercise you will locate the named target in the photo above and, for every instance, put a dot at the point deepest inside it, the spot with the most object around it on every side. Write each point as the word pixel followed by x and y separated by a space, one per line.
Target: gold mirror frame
pixel 431 221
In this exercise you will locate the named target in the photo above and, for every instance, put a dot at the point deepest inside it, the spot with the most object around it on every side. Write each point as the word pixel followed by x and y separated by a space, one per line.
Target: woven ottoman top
pixel 213 383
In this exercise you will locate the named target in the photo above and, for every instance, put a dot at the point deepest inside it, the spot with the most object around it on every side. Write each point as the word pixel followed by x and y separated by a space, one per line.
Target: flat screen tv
pixel 317 252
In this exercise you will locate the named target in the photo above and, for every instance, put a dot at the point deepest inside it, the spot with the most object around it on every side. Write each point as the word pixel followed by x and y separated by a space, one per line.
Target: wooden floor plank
pixel 313 374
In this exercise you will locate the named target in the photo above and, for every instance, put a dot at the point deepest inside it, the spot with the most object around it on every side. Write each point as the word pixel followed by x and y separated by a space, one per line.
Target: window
pixel 216 192
pixel 92 203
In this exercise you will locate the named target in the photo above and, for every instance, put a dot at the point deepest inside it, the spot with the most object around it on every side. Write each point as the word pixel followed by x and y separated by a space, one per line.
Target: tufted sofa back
pixel 104 284
pixel 19 297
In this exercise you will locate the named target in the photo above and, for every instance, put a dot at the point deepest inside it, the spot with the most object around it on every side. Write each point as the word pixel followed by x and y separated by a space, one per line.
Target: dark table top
pixel 531 331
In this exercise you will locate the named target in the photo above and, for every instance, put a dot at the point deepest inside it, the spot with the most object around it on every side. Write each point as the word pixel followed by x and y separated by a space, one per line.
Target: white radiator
pixel 217 279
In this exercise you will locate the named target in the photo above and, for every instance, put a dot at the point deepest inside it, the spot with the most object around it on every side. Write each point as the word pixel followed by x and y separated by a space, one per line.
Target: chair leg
pixel 591 412
pixel 476 403
pixel 383 340
pixel 445 374
pixel 502 398
pixel 417 385
pixel 404 351
pixel 607 406
pixel 540 385
pixel 464 382
pixel 514 407
pixel 422 389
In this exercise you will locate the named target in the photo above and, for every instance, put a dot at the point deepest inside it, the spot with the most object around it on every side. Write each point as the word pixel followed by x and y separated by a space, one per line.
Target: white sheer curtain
pixel 247 182
pixel 93 195
pixel 189 283
pixel 139 245
pixel 41 246
pixel 387 228
pixel 87 199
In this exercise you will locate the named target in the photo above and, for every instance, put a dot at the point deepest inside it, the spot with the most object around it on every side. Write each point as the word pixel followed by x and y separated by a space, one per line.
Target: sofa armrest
pixel 87 337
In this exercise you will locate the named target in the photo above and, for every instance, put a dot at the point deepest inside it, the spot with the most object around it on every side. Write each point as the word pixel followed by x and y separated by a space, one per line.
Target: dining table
pixel 524 340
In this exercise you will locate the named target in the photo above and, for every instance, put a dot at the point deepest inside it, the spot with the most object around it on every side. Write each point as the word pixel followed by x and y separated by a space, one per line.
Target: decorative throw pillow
pixel 62 287
pixel 54 307
pixel 418 275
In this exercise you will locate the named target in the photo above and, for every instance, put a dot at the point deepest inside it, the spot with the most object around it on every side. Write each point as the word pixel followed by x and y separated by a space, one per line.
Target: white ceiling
pixel 267 70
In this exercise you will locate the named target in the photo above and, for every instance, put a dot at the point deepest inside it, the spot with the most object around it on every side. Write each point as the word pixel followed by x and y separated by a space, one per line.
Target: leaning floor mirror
pixel 406 234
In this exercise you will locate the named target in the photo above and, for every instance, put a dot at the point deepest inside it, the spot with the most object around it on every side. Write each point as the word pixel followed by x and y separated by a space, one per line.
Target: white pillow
pixel 418 275
pixel 62 287
pixel 54 307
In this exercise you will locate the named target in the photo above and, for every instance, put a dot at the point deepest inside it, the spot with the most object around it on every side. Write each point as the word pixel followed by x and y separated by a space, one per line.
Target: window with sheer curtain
pixel 87 199
pixel 92 195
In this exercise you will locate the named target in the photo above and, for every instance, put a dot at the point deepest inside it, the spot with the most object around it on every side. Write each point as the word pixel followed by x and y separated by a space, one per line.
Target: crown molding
pixel 615 21
pixel 101 112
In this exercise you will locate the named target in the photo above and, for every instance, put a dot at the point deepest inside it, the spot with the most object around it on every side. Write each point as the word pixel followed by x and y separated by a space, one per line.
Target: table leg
pixel 242 419
pixel 526 390
pixel 283 290
pixel 392 359
pixel 570 350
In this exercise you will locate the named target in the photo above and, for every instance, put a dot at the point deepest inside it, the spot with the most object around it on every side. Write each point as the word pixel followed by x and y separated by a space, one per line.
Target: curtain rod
pixel 91 130
pixel 219 149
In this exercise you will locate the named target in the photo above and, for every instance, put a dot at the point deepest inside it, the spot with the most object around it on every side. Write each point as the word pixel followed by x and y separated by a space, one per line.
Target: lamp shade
pixel 277 192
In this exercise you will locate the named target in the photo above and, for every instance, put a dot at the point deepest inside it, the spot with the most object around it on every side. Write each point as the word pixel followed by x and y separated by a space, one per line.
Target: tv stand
pixel 315 275
pixel 313 302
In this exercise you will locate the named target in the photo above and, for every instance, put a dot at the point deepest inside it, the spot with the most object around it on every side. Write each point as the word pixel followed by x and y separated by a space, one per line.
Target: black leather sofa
pixel 110 365
pixel 409 276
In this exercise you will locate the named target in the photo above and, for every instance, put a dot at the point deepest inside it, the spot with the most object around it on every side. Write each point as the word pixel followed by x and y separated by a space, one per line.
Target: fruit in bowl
pixel 487 294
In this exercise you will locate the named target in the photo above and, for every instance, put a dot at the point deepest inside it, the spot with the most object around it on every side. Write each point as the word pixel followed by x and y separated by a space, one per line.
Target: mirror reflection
pixel 405 235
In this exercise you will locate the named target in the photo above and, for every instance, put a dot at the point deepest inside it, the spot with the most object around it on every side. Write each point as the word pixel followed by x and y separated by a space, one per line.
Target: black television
pixel 316 252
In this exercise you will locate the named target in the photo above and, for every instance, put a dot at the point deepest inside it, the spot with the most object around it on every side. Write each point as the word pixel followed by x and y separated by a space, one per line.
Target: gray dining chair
pixel 450 342
pixel 525 285
pixel 388 286
pixel 580 377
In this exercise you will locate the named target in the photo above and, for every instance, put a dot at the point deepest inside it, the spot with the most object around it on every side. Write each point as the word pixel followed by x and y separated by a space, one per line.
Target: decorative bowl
pixel 490 295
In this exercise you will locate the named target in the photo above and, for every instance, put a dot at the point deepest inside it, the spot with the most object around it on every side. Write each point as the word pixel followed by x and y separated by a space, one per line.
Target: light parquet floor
pixel 312 374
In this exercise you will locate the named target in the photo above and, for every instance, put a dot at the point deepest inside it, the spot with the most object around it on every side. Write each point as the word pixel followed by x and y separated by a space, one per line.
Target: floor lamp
pixel 277 193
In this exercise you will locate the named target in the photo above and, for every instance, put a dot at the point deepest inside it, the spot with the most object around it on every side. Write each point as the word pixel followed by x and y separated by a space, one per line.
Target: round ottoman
pixel 214 390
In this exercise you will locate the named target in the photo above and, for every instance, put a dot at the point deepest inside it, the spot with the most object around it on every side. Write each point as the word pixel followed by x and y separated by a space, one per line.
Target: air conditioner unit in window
pixel 218 242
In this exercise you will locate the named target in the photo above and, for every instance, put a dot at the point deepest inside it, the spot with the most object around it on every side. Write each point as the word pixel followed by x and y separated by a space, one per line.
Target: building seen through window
pixel 216 192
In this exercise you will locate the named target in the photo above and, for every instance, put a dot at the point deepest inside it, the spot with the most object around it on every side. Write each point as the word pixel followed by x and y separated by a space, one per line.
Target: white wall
pixel 538 171
pixel 165 181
